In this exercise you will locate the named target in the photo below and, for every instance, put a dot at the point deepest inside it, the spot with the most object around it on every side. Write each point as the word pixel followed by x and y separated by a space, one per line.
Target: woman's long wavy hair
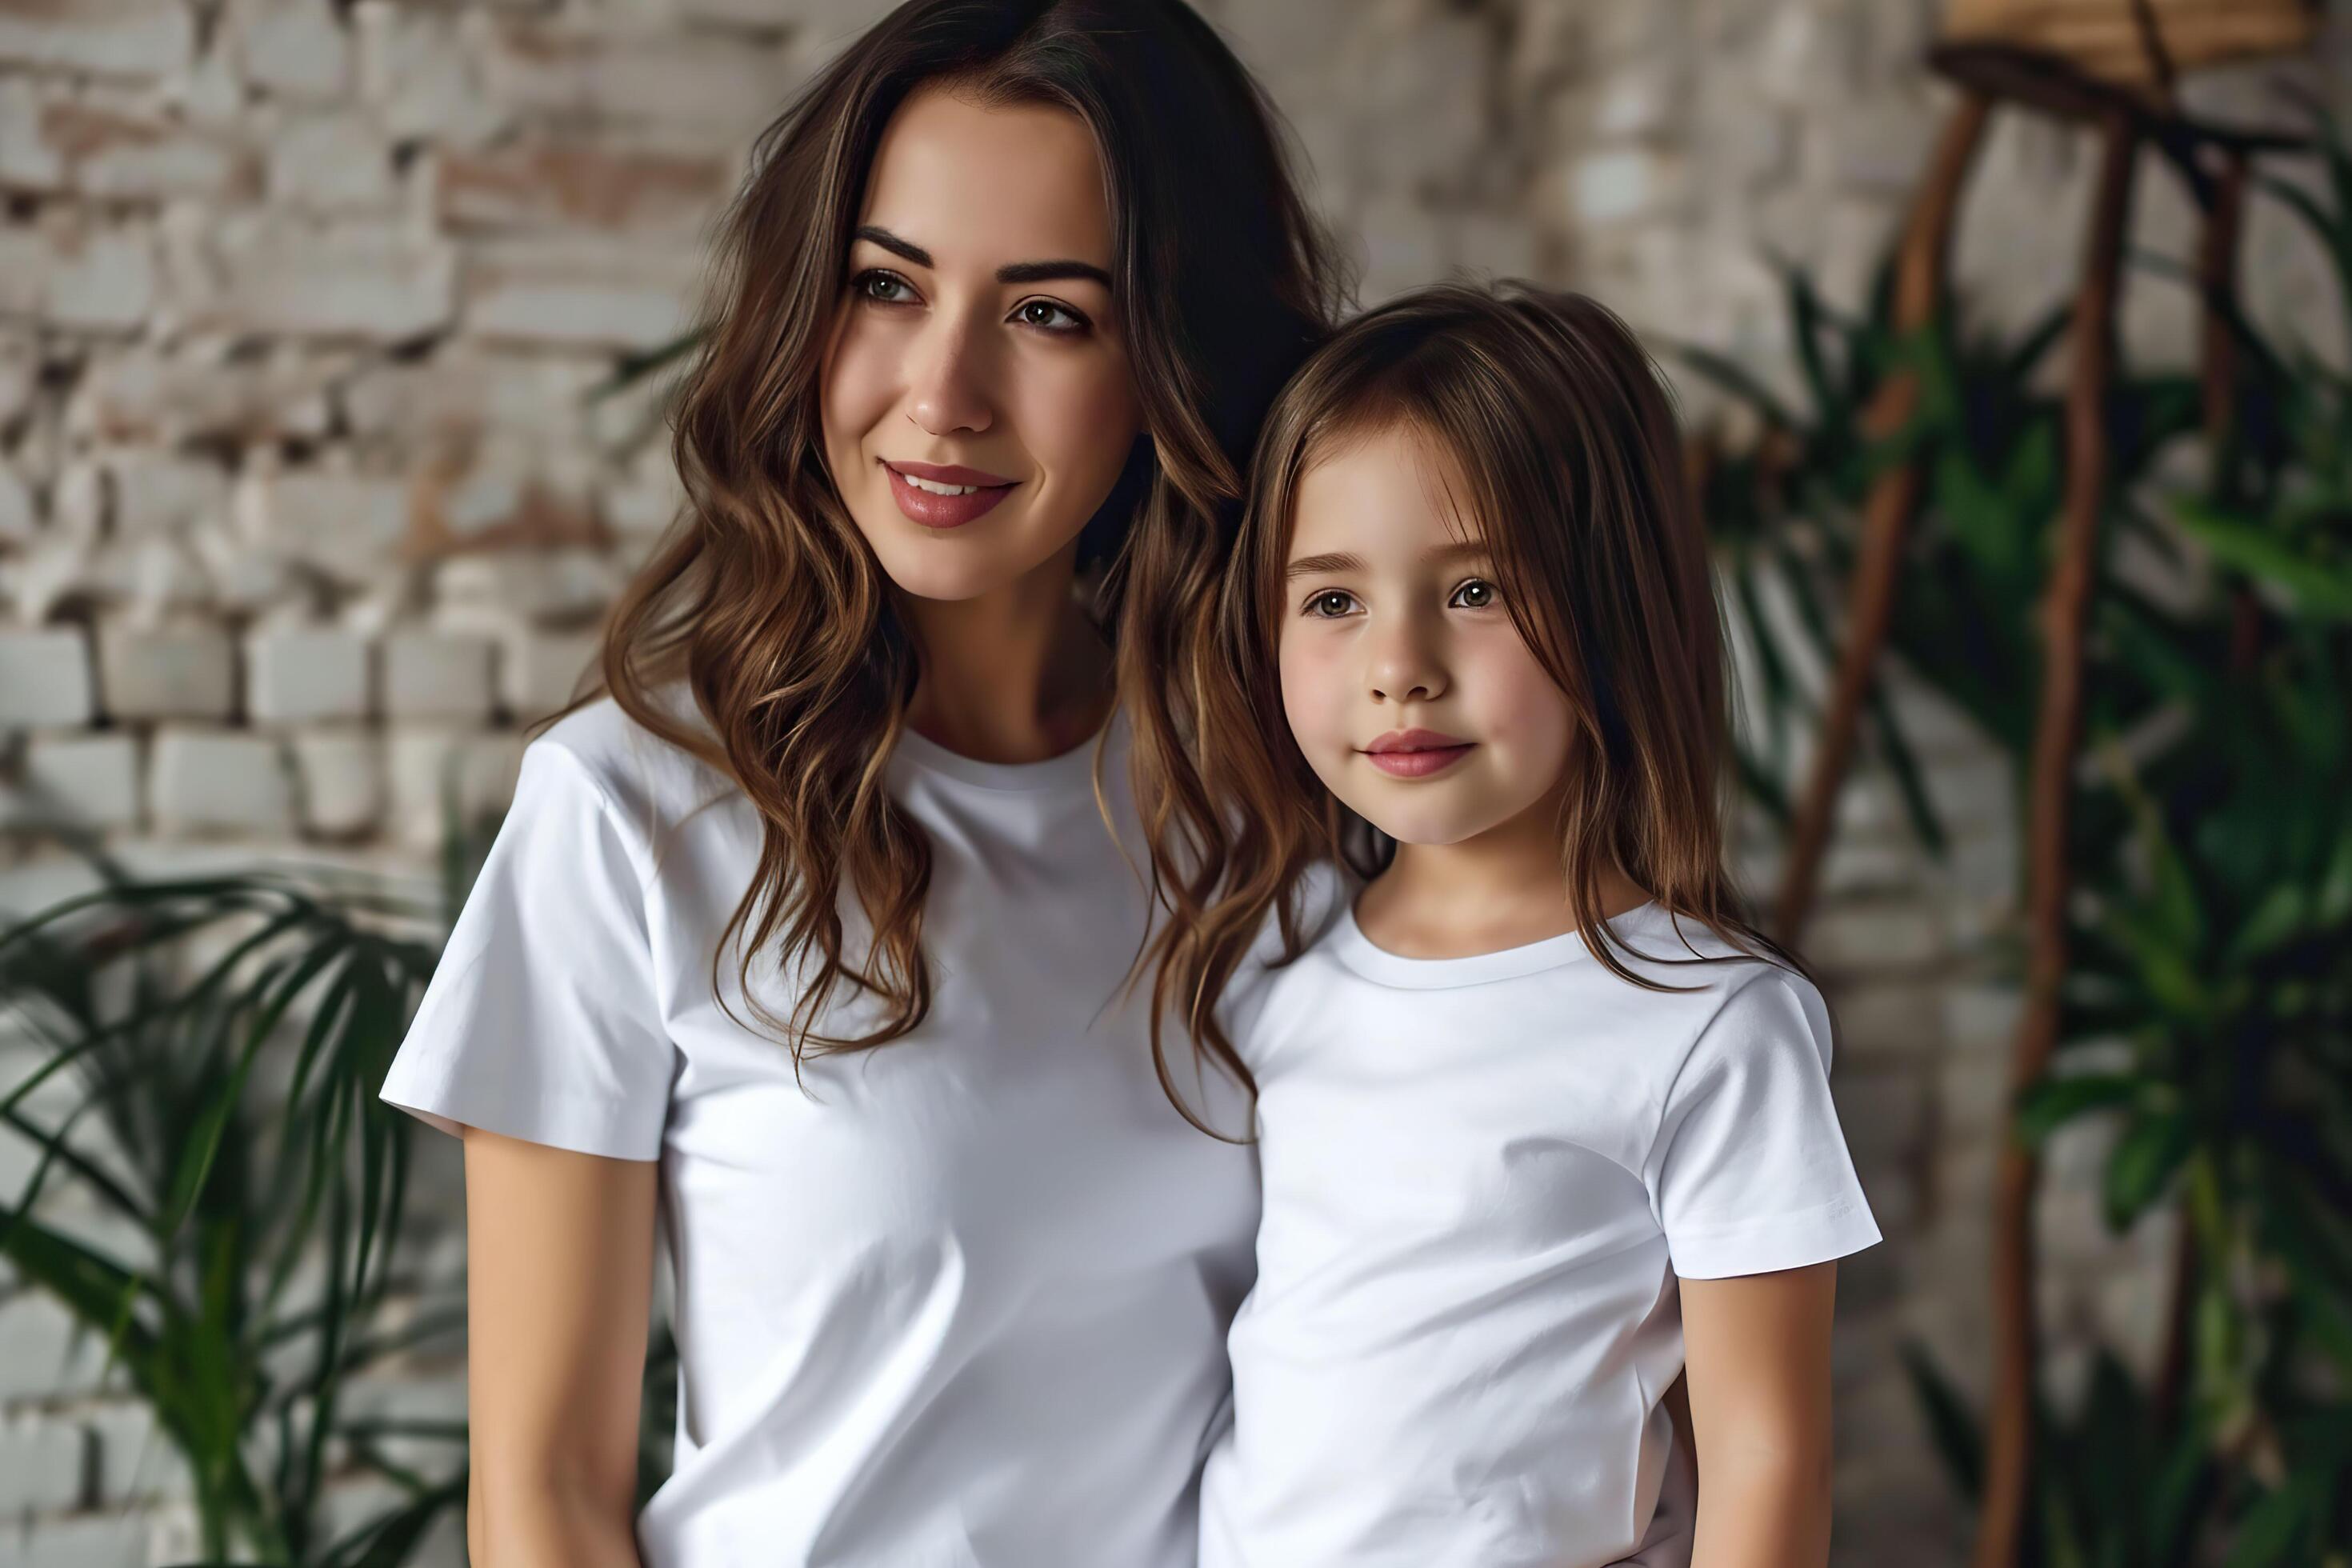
pixel 764 600
pixel 1568 443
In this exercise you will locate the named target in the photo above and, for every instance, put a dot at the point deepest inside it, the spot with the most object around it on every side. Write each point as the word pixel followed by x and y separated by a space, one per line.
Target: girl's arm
pixel 558 1271
pixel 1757 1350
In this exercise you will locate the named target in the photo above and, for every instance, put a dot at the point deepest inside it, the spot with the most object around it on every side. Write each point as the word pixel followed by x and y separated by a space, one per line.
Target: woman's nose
pixel 946 382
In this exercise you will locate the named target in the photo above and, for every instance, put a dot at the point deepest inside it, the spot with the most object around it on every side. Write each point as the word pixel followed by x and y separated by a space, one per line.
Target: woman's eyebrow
pixel 1012 272
pixel 1050 271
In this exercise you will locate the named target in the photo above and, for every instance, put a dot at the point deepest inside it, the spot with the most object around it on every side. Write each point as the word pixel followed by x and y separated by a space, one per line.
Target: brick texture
pixel 306 506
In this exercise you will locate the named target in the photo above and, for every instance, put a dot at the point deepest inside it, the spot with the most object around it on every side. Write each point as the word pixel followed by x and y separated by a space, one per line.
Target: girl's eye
pixel 1477 593
pixel 870 284
pixel 1330 604
pixel 1040 313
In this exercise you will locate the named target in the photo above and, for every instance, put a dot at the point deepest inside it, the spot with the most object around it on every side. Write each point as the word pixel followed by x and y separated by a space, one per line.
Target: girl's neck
pixel 1504 888
pixel 1016 675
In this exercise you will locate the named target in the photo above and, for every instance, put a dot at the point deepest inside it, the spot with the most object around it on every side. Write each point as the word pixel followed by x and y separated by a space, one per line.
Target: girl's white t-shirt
pixel 1482 1179
pixel 962 1304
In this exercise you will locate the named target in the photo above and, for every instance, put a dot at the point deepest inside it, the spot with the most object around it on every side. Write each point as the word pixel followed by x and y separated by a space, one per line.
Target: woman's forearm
pixel 543 1527
pixel 1768 1510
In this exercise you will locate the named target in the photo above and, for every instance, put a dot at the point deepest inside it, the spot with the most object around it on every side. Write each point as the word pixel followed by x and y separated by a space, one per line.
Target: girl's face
pixel 977 402
pixel 1409 690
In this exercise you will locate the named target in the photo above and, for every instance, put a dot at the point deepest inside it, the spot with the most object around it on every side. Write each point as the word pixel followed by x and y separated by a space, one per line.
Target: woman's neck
pixel 1016 676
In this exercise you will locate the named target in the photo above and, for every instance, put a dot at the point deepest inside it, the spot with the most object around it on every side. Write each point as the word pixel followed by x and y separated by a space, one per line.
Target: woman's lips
pixel 1416 754
pixel 935 510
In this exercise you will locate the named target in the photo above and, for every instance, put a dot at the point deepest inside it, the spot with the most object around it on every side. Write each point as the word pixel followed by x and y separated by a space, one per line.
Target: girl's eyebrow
pixel 1012 272
pixel 1338 561
pixel 1344 560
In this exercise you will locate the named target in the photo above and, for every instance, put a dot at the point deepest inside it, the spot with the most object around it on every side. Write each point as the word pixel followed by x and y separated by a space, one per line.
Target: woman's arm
pixel 1756 1350
pixel 558 1267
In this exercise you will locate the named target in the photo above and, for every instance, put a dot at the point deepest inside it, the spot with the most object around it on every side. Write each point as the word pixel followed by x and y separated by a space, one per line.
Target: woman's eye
pixel 873 283
pixel 1040 313
pixel 1329 604
pixel 1477 593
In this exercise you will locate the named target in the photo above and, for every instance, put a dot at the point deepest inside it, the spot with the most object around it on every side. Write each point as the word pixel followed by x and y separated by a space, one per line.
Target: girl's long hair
pixel 1566 437
pixel 765 602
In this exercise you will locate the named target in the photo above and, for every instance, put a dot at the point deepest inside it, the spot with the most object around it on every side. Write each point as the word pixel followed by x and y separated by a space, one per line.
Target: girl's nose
pixel 1405 667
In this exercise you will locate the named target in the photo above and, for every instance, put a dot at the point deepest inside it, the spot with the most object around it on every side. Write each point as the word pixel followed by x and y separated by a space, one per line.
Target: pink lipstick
pixel 944 495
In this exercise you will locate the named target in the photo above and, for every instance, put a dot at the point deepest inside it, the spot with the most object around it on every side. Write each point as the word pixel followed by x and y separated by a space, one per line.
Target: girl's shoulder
pixel 1682 950
pixel 1706 998
pixel 1324 889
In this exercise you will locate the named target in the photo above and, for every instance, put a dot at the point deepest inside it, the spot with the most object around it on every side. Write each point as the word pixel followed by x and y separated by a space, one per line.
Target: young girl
pixel 1543 1120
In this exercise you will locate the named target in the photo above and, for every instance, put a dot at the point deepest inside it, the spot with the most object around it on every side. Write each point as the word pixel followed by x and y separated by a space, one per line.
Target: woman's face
pixel 977 400
pixel 1409 690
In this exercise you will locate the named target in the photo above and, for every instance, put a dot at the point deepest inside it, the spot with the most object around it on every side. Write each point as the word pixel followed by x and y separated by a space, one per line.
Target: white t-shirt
pixel 1482 1179
pixel 963 1304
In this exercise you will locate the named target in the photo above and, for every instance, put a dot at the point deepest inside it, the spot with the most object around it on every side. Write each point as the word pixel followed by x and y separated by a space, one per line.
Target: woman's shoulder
pixel 651 782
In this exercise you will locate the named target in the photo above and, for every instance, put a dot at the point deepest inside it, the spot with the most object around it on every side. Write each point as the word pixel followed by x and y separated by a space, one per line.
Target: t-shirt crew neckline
pixel 1067 770
pixel 1374 962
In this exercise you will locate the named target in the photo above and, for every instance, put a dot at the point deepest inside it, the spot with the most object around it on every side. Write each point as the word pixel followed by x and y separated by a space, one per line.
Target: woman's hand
pixel 1756 1355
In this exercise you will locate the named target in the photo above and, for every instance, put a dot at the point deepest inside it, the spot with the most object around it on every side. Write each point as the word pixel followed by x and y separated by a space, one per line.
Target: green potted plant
pixel 220 1112
pixel 2206 1011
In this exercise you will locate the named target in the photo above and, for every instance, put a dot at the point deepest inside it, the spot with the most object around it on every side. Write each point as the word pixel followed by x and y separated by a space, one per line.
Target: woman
pixel 812 931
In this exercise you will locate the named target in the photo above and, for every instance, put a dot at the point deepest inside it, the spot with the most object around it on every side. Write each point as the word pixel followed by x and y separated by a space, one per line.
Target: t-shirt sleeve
pixel 1749 1171
pixel 543 1020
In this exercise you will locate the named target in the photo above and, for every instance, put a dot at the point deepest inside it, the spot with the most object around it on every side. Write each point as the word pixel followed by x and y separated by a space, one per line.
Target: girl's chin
pixel 1428 829
pixel 1432 838
pixel 1430 826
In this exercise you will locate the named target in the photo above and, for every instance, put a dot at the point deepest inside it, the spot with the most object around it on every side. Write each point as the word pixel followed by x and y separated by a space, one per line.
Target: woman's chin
pixel 952 564
pixel 948 572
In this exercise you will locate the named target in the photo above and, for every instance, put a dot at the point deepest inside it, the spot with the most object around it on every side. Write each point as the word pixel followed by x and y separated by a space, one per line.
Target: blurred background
pixel 2012 337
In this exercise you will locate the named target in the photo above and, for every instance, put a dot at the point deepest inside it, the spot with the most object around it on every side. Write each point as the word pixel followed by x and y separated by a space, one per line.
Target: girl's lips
pixel 1419 764
pixel 938 511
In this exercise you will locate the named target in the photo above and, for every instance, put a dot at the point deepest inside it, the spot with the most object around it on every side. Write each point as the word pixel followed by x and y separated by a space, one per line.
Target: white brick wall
pixel 539 671
pixel 297 675
pixel 342 777
pixel 102 37
pixel 16 509
pixel 136 1462
pixel 222 780
pixel 44 1351
pixel 43 1464
pixel 303 507
pixel 432 768
pixel 81 1541
pixel 45 676
pixel 293 51
pixel 437 675
pixel 91 780
pixel 183 672
pixel 346 527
